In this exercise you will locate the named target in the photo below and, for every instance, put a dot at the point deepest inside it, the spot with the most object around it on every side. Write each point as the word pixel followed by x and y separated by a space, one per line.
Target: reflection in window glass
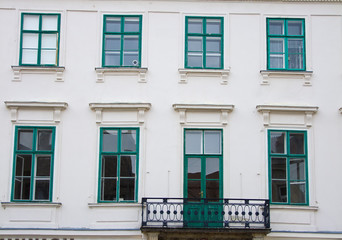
pixel 212 142
pixel 193 142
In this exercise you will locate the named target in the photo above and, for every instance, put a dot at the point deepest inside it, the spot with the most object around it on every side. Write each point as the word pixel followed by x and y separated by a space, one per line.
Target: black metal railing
pixel 205 213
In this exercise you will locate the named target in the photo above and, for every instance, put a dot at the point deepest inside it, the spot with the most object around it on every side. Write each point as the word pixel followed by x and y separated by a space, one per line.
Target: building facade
pixel 170 119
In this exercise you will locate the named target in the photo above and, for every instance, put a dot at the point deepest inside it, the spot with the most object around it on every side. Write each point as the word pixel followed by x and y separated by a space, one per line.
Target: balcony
pixel 206 215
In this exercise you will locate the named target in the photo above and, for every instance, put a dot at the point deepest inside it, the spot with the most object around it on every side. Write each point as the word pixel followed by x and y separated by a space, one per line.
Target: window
pixel 204 42
pixel 121 41
pixel 285 44
pixel 33 163
pixel 119 154
pixel 288 170
pixel 39 39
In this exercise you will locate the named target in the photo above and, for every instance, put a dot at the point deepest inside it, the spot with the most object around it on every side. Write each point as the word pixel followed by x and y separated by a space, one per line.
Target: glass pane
pixel 127 166
pixel 195 25
pixel 297 192
pixel 279 191
pixel 112 42
pixel 194 168
pixel 25 139
pixel 131 24
pixel 212 189
pixel 128 140
pixel 295 61
pixel 212 142
pixel 31 22
pixel 108 190
pixel 131 43
pixel 49 22
pixel 48 57
pixel 42 190
pixel 30 40
pixel 277 142
pixel 193 142
pixel 22 186
pixel 127 189
pixel 194 189
pixel 49 41
pixel 112 58
pixel 23 165
pixel 113 24
pixel 110 141
pixel 213 26
pixel 297 143
pixel 44 140
pixel 213 60
pixel 295 46
pixel 131 58
pixel 212 168
pixel 43 166
pixel 294 28
pixel 278 168
pixel 277 61
pixel 276 45
pixel 276 27
pixel 297 169
pixel 195 60
pixel 195 44
pixel 213 44
pixel 109 166
pixel 29 56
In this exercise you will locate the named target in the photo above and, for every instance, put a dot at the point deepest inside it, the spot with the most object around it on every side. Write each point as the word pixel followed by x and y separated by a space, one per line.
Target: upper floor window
pixel 33 163
pixel 39 39
pixel 288 168
pixel 285 44
pixel 122 41
pixel 204 42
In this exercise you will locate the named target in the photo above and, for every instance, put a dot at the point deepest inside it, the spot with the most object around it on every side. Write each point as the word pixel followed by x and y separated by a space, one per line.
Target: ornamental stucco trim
pixel 268 74
pixel 185 73
pixel 19 70
pixel 101 72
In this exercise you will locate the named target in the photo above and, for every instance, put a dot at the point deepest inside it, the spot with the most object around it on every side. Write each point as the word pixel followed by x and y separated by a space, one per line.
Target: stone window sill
pixel 294 207
pixel 100 205
pixel 268 74
pixel 102 71
pixel 19 70
pixel 185 73
pixel 31 204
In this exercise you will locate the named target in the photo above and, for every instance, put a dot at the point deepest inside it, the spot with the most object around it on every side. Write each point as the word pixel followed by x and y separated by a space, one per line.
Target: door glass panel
pixel 296 143
pixel 213 26
pixel 195 25
pixel 277 142
pixel 128 140
pixel 276 27
pixel 109 166
pixel 25 139
pixel 212 168
pixel 49 22
pixel 110 141
pixel 279 191
pixel 43 166
pixel 297 192
pixel 194 168
pixel 212 189
pixel 127 189
pixel 297 169
pixel 113 24
pixel 212 142
pixel 278 168
pixel 31 22
pixel 42 189
pixel 294 28
pixel 127 166
pixel 44 140
pixel 193 142
pixel 194 189
pixel 108 189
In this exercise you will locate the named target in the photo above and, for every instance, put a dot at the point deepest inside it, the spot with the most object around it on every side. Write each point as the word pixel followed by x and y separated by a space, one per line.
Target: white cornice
pixel 32 104
pixel 288 108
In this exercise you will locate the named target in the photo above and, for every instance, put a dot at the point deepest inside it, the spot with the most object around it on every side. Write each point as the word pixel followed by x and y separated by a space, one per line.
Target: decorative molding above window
pixel 287 115
pixel 185 73
pixel 19 70
pixel 267 74
pixel 120 112
pixel 198 113
pixel 101 72
pixel 49 112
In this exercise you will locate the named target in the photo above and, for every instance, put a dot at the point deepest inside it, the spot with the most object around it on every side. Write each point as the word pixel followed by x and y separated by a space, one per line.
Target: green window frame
pixel 204 42
pixel 119 161
pixel 286 44
pixel 121 41
pixel 33 162
pixel 39 39
pixel 288 167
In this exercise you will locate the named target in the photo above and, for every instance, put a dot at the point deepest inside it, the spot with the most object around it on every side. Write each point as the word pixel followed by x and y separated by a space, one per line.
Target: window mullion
pixel 39 51
pixel 118 178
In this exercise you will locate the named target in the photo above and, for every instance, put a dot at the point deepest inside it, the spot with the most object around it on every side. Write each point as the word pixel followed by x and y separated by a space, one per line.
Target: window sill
pixel 294 207
pixel 19 70
pixel 31 204
pixel 267 74
pixel 102 71
pixel 185 73
pixel 123 204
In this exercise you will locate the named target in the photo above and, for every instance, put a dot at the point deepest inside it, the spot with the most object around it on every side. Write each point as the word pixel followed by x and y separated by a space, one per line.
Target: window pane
pixel 297 169
pixel 297 192
pixel 48 57
pixel 110 141
pixel 128 140
pixel 22 186
pixel 113 24
pixel 23 165
pixel 193 142
pixel 213 44
pixel 44 140
pixel 295 61
pixel 131 24
pixel 295 46
pixel 42 190
pixel 212 168
pixel 131 43
pixel 212 142
pixel 108 190
pixel 31 22
pixel 278 168
pixel 213 60
pixel 277 61
pixel 194 189
pixel 112 42
pixel 276 27
pixel 195 60
pixel 49 41
pixel 43 166
pixel 25 139
pixel 195 25
pixel 127 166
pixel 277 45
pixel 30 40
pixel 297 143
pixel 212 189
pixel 29 56
pixel 112 58
pixel 127 188
pixel 295 28
pixel 49 22
pixel 279 191
pixel 213 26
pixel 109 166
pixel 131 58
pixel 195 44
pixel 194 168
pixel 277 142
